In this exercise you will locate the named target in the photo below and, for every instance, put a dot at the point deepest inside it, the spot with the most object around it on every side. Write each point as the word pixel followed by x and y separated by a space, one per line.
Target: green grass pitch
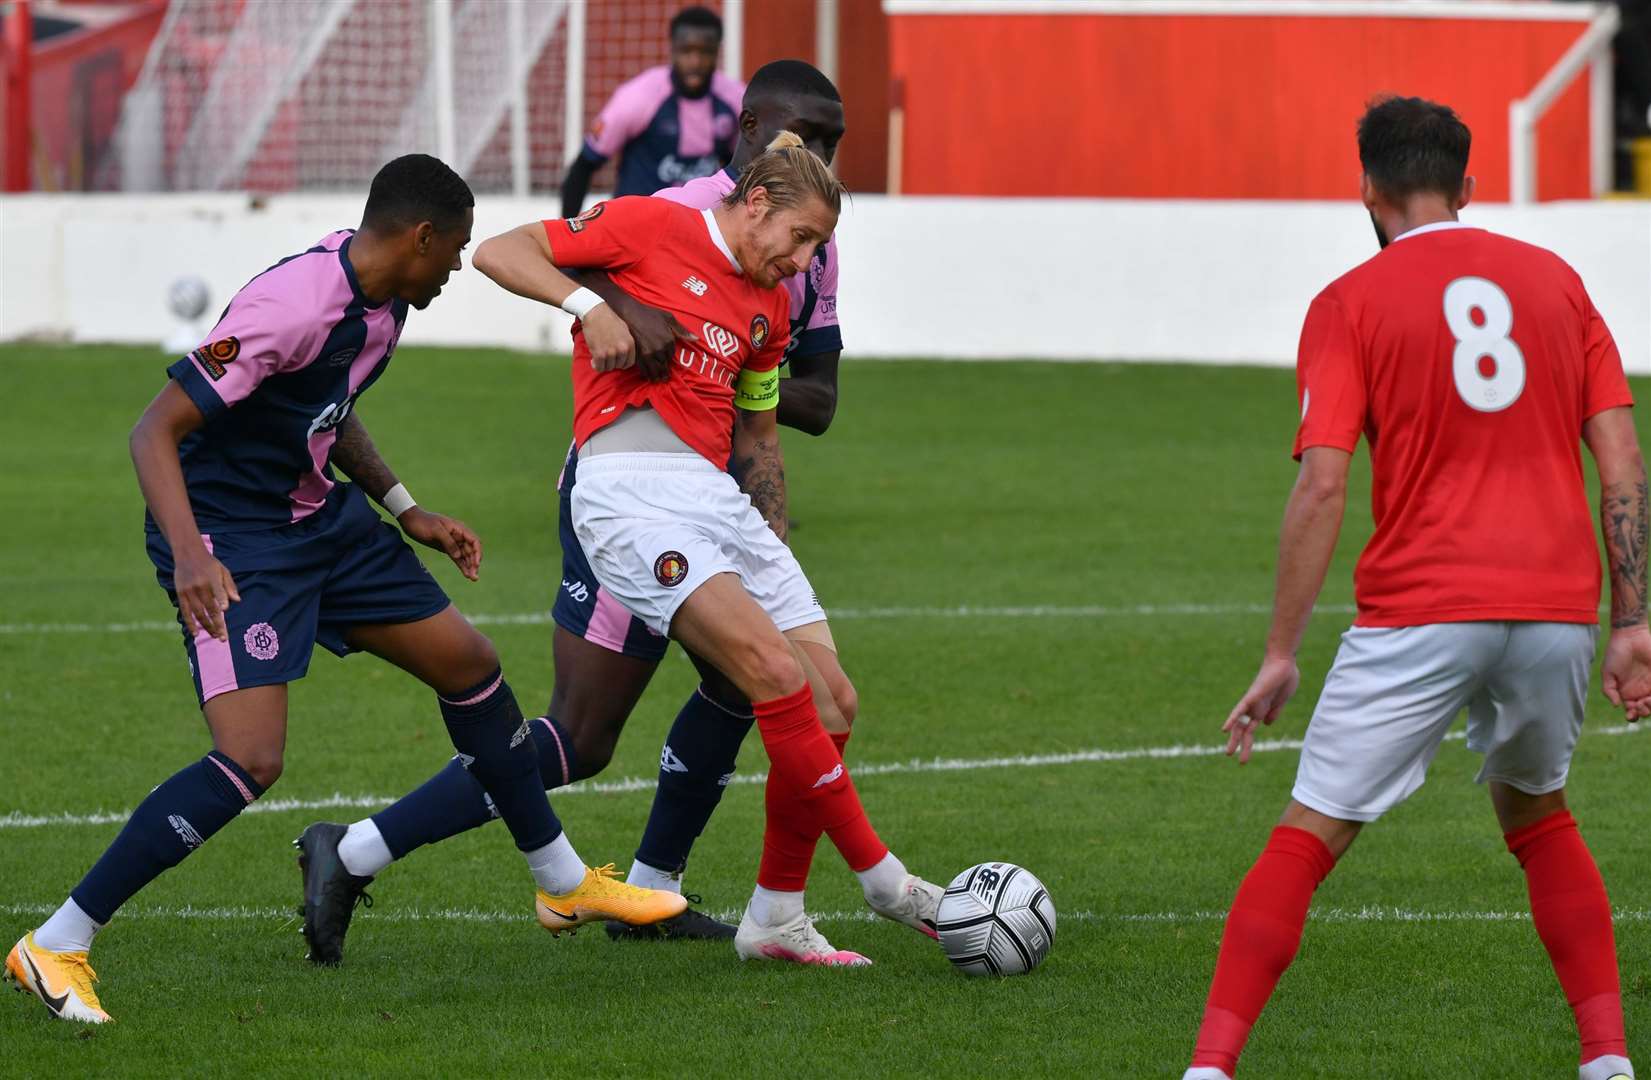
pixel 1030 565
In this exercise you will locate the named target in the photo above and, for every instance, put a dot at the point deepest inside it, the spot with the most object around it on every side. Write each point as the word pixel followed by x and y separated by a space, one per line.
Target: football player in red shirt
pixel 1473 365
pixel 671 534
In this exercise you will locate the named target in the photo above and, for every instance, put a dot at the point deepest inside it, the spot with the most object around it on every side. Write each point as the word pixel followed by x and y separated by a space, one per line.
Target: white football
pixel 187 297
pixel 996 919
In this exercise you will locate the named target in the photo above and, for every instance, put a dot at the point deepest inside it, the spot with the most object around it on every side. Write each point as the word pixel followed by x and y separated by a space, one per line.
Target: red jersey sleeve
pixel 776 336
pixel 1329 380
pixel 610 235
pixel 1604 384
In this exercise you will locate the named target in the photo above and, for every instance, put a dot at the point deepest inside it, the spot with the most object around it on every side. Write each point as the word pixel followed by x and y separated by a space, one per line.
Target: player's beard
pixel 1381 237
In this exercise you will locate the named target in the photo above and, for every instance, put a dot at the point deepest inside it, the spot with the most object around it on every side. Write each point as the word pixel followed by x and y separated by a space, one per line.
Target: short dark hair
pixel 790 78
pixel 415 188
pixel 1410 145
pixel 697 18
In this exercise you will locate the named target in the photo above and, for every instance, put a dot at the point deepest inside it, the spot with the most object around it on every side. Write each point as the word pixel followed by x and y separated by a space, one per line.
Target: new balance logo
pixel 186 832
pixel 831 777
pixel 669 762
pixel 695 286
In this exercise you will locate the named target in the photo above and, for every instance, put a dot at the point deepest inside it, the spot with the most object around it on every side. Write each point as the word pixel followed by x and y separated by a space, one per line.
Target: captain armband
pixel 758 391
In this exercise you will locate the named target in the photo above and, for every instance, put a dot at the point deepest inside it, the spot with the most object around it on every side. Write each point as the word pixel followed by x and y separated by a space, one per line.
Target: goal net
pixel 315 95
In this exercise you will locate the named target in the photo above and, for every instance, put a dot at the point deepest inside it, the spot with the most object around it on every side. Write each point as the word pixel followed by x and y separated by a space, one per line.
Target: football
pixel 996 919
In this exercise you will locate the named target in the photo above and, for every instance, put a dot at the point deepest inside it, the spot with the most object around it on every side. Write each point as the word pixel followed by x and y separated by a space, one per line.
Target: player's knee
pixel 478 659
pixel 264 766
pixel 848 702
pixel 769 672
pixel 593 750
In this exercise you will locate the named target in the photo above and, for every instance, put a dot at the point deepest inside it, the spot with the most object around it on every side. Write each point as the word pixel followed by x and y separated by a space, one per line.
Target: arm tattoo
pixel 761 475
pixel 1623 518
pixel 357 458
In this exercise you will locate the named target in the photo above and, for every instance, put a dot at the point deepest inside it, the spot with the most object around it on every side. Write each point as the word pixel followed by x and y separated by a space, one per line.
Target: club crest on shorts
pixel 577 224
pixel 759 331
pixel 670 568
pixel 215 354
pixel 261 641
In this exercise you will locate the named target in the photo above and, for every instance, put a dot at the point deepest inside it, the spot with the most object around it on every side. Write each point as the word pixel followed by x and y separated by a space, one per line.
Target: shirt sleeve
pixel 257 337
pixel 777 336
pixel 821 334
pixel 623 118
pixel 1604 386
pixel 610 235
pixel 1330 385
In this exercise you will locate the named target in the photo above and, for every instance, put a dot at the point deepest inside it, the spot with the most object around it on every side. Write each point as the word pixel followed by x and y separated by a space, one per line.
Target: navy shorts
pixel 585 609
pixel 308 582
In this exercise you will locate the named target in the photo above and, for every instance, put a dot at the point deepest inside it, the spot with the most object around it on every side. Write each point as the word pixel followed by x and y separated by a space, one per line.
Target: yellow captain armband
pixel 758 391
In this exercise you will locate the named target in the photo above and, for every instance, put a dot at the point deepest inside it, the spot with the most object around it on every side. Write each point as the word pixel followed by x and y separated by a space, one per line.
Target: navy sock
pixel 175 819
pixel 694 769
pixel 453 801
pixel 496 745
pixel 558 761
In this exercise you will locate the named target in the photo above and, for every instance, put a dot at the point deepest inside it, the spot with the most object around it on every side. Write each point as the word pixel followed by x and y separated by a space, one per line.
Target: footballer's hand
pixel 450 536
pixel 1626 671
pixel 608 340
pixel 204 590
pixel 1274 685
pixel 656 333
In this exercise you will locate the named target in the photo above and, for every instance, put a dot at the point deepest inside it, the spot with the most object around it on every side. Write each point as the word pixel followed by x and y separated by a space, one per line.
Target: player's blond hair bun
pixel 790 173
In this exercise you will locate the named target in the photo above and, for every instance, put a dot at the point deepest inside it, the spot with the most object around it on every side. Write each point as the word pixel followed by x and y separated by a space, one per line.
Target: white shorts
pixel 657 526
pixel 1393 693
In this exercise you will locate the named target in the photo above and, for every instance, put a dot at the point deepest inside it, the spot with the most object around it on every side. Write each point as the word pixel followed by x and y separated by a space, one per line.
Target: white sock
pixel 770 907
pixel 556 867
pixel 1603 1068
pixel 68 930
pixel 363 850
pixel 1205 1072
pixel 884 883
pixel 644 876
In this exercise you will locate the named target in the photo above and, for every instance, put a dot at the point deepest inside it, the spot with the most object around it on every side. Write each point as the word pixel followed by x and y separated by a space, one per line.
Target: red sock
pixel 801 756
pixel 1262 935
pixel 790 835
pixel 1573 918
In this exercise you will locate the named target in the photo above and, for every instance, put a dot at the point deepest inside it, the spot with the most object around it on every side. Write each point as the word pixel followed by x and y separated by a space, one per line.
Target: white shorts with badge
pixel 657 526
pixel 1394 692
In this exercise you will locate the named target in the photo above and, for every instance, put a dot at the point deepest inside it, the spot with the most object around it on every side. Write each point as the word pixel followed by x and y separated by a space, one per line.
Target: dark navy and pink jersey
pixel 661 137
pixel 309 555
pixel 277 375
pixel 814 326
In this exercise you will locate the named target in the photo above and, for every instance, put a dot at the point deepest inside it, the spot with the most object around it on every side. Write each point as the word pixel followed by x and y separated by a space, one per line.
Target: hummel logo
pixel 669 762
pixel 695 286
pixel 55 1004
pixel 186 832
pixel 831 777
pixel 521 735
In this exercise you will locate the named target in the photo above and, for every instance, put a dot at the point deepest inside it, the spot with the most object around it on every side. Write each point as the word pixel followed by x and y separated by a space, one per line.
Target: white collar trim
pixel 1437 226
pixel 717 238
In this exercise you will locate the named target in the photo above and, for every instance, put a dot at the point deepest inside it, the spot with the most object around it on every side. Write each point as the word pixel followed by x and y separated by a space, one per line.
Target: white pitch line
pixel 541 618
pixel 1369 914
pixel 17 819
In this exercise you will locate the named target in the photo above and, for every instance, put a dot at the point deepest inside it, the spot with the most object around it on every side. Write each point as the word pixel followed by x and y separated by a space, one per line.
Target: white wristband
pixel 397 501
pixel 580 303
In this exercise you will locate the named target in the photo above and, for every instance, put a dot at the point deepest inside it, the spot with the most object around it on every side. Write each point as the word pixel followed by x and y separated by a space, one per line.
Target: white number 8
pixel 1474 341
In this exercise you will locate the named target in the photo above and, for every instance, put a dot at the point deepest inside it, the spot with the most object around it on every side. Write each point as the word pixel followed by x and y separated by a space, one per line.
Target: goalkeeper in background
pixel 671 124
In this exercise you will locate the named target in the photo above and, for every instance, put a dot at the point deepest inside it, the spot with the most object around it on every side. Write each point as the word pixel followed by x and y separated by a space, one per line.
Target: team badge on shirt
pixel 577 224
pixel 215 354
pixel 759 331
pixel 670 568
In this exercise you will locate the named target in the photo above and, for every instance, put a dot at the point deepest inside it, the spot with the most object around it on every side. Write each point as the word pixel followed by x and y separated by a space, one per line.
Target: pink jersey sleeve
pixel 702 193
pixel 628 112
pixel 825 302
pixel 1329 380
pixel 263 333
